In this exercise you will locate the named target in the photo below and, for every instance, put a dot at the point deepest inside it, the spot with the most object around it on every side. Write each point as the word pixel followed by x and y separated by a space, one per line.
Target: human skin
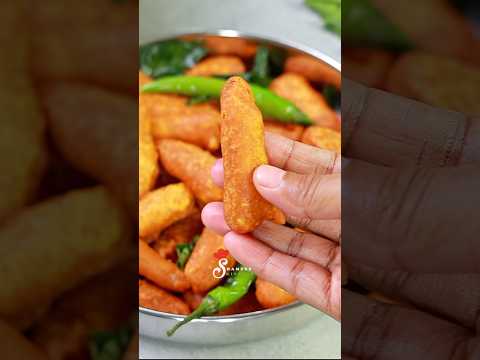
pixel 303 182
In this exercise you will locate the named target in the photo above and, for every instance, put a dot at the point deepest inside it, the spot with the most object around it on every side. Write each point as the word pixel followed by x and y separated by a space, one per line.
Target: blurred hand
pixel 304 182
pixel 411 228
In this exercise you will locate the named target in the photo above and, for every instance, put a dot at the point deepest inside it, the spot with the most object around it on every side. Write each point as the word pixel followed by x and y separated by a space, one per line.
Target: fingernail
pixel 268 176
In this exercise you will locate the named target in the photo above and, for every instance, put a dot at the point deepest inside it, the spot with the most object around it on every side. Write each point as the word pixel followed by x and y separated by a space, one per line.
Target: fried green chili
pixel 221 297
pixel 271 105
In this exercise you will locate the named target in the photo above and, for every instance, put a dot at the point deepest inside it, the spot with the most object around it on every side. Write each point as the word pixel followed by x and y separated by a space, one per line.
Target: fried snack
pixel 314 70
pixel 156 100
pixel 367 66
pixel 218 65
pixel 53 246
pixel 270 295
pixel 243 48
pixel 291 131
pixel 66 45
pixel 96 131
pixel 297 89
pixel 162 207
pixel 200 268
pixel 248 303
pixel 243 150
pixel 192 166
pixel 181 232
pixel 16 347
pixel 152 297
pixel 192 299
pixel 437 81
pixel 160 271
pixel 23 152
pixel 65 330
pixel 323 138
pixel 147 154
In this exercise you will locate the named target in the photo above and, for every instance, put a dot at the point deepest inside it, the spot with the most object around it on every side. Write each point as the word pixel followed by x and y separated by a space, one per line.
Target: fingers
pixel 303 198
pixel 213 217
pixel 375 330
pixel 310 283
pixel 412 219
pixel 297 244
pixel 389 130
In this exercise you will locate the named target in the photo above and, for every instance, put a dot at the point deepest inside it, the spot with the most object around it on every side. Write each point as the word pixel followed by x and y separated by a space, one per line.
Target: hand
pixel 410 229
pixel 304 182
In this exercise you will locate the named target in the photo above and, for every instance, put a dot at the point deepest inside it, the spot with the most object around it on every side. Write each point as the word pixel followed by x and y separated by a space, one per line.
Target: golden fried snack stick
pixel 192 166
pixel 147 154
pixel 162 207
pixel 54 246
pixel 231 46
pixel 218 65
pixel 163 273
pixel 313 70
pixel 96 131
pixel 291 131
pixel 16 347
pixel 324 138
pixel 296 88
pixel 203 261
pixel 66 45
pixel 102 303
pixel 152 297
pixel 243 150
pixel 270 295
pixel 23 152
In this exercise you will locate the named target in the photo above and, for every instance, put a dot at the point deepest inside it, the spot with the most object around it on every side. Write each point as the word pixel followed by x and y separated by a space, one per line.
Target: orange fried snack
pixel 314 70
pixel 323 138
pixel 200 268
pixel 152 297
pixel 162 207
pixel 270 295
pixel 219 45
pixel 192 166
pixel 160 271
pixel 218 65
pixel 147 155
pixel 296 88
pixel 243 150
pixel 290 131
pixel 181 232
pixel 193 299
pixel 246 304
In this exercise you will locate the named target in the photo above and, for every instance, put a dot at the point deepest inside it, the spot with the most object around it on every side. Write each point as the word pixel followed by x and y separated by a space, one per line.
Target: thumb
pixel 303 198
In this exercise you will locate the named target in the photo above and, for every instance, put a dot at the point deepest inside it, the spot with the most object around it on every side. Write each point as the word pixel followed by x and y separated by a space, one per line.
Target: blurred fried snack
pixel 96 131
pixel 367 66
pixel 248 303
pixel 181 232
pixel 218 45
pixel 23 152
pixel 152 297
pixel 67 46
pixel 296 88
pixel 160 271
pixel 16 347
pixel 192 166
pixel 243 150
pixel 270 295
pixel 53 246
pixel 218 65
pixel 162 207
pixel 313 70
pixel 200 268
pixel 324 138
pixel 64 331
pixel 147 154
pixel 192 299
pixel 291 131
pixel 437 81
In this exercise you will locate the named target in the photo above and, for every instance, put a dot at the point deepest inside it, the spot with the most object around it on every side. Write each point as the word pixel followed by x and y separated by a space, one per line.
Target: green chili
pixel 184 251
pixel 221 297
pixel 271 105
